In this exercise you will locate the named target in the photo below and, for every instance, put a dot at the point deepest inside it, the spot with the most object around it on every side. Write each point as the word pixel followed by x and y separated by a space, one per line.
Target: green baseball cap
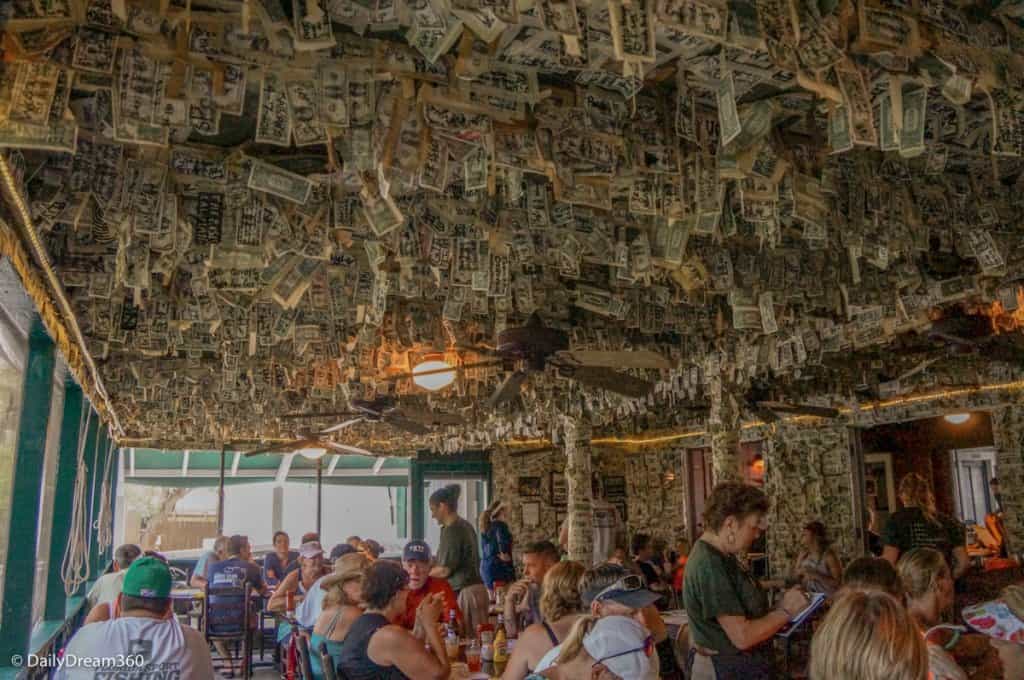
pixel 147 577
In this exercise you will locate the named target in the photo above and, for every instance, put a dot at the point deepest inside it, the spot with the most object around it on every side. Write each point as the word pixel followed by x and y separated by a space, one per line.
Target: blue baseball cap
pixel 416 550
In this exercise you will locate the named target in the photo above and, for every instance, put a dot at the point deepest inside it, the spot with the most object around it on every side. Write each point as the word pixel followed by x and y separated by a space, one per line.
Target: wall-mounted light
pixel 957 418
pixel 438 374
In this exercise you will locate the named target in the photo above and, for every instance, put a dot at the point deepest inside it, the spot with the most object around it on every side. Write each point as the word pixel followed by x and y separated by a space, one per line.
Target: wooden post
pixel 580 501
pixel 319 493
pixel 63 495
pixel 26 490
pixel 220 493
pixel 724 432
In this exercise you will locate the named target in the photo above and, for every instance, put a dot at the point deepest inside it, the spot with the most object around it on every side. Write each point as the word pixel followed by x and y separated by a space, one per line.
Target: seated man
pixel 207 560
pixel 522 602
pixel 416 560
pixel 237 568
pixel 143 632
pixel 108 587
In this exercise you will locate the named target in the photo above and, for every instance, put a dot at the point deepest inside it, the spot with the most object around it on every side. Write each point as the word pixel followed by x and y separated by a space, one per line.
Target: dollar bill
pixel 312 26
pixel 707 20
pixel 559 16
pixel 632 28
pixel 728 116
pixel 290 288
pixel 766 306
pixel 281 183
pixel 887 125
pixel 94 51
pixel 303 107
pixel 911 135
pixel 274 121
pixel 433 173
pixel 857 101
pixel 32 94
pixel 61 137
pixel 475 169
pixel 839 136
pixel 334 95
pixel 208 219
pixel 747 318
pixel 1007 124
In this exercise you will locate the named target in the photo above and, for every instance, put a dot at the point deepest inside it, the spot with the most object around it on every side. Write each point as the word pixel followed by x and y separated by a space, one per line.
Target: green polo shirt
pixel 460 553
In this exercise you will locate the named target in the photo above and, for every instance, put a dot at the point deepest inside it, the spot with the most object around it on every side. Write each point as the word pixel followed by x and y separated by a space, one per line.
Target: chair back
pixel 327 663
pixel 302 646
pixel 227 611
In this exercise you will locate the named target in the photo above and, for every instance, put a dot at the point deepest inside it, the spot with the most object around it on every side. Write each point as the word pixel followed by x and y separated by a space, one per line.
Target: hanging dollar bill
pixel 281 183
pixel 304 112
pixel 312 26
pixel 274 121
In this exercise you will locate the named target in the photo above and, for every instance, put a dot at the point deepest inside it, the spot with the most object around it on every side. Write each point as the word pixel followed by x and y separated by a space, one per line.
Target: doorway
pixel 473 499
pixel 972 470
pixel 429 472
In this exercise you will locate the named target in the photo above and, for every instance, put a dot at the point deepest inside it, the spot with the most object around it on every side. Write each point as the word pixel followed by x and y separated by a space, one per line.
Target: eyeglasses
pixel 628 584
pixel 647 649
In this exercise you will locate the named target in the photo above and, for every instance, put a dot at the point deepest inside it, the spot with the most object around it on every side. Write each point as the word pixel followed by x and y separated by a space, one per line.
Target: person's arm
pixel 835 570
pixel 279 600
pixel 101 612
pixel 504 537
pixel 519 663
pixel 563 534
pixel 745 633
pixel 960 561
pixel 517 595
pixel 395 646
pixel 654 623
pixel 891 553
pixel 443 564
pixel 198 579
pixel 795 572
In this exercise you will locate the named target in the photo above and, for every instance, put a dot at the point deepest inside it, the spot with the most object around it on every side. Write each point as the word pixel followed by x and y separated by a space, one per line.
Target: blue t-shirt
pixel 273 562
pixel 206 560
pixel 233 572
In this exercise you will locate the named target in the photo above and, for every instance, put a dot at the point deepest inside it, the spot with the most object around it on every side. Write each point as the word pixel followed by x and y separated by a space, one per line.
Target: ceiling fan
pixel 534 346
pixel 770 410
pixel 383 410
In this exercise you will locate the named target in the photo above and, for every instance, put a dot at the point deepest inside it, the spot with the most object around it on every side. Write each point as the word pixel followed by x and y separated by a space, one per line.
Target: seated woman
pixel 282 561
pixel 610 648
pixel 298 583
pixel 561 604
pixel 929 592
pixel 867 635
pixel 342 606
pixel 376 648
pixel 817 567
pixel 873 573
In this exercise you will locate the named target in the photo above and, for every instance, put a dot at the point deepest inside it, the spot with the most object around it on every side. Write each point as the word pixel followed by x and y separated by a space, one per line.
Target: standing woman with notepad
pixel 730 619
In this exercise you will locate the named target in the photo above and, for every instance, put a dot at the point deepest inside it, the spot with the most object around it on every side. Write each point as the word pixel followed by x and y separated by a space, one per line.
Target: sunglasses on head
pixel 627 584
pixel 647 649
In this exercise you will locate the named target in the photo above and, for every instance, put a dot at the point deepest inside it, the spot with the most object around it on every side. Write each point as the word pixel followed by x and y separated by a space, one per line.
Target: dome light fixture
pixel 312 453
pixel 432 381
pixel 957 418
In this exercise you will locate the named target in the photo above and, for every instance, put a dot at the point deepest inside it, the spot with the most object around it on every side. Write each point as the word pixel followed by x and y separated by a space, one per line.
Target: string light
pixel 865 406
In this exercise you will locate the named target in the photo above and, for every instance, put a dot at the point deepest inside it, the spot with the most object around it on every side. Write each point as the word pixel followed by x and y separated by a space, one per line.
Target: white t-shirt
pixel 168 650
pixel 606 525
pixel 548 660
pixel 308 611
pixel 107 588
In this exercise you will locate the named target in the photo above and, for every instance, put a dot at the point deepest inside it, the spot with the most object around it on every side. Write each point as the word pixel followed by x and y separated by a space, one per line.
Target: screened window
pixel 49 489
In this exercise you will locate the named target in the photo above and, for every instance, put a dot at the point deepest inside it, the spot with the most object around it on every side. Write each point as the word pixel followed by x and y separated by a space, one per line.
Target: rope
pixel 74 569
pixel 104 524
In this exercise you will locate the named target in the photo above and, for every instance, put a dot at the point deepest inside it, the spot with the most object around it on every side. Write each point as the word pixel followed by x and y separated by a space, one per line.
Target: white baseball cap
pixel 621 645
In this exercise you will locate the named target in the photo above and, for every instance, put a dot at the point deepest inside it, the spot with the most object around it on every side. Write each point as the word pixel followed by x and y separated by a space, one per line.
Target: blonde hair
pixel 560 592
pixel 916 491
pixel 868 635
pixel 573 643
pixel 919 570
pixel 348 567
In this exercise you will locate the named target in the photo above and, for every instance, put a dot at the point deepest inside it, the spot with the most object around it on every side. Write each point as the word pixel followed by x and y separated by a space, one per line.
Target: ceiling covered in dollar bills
pixel 264 208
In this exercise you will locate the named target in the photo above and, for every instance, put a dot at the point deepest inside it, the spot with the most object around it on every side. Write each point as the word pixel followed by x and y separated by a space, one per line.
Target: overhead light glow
pixel 312 454
pixel 433 381
pixel 957 418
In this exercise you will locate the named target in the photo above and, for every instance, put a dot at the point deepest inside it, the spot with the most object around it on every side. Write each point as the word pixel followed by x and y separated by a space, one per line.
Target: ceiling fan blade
pixel 508 388
pixel 403 423
pixel 282 447
pixel 313 414
pixel 641 358
pixel 612 381
pixel 342 425
pixel 345 448
pixel 800 409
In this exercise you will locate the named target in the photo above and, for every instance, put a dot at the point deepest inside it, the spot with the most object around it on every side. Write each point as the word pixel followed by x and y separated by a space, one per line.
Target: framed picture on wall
pixel 531 514
pixel 559 490
pixel 614 487
pixel 529 487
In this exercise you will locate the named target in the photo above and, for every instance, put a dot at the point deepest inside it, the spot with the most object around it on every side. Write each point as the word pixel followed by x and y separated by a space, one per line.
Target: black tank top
pixel 355 660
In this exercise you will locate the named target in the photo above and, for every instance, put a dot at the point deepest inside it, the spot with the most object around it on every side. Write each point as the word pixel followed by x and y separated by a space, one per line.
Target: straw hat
pixel 346 568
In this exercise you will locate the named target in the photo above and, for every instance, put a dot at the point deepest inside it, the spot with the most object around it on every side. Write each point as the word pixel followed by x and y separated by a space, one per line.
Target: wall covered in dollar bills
pixel 647 485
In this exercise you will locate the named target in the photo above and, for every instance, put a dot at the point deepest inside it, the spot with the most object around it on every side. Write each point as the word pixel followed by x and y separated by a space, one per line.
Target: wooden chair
pixel 302 646
pixel 327 663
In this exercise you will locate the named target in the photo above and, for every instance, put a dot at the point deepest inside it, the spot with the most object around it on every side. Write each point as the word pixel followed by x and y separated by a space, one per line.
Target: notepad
pixel 798 619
